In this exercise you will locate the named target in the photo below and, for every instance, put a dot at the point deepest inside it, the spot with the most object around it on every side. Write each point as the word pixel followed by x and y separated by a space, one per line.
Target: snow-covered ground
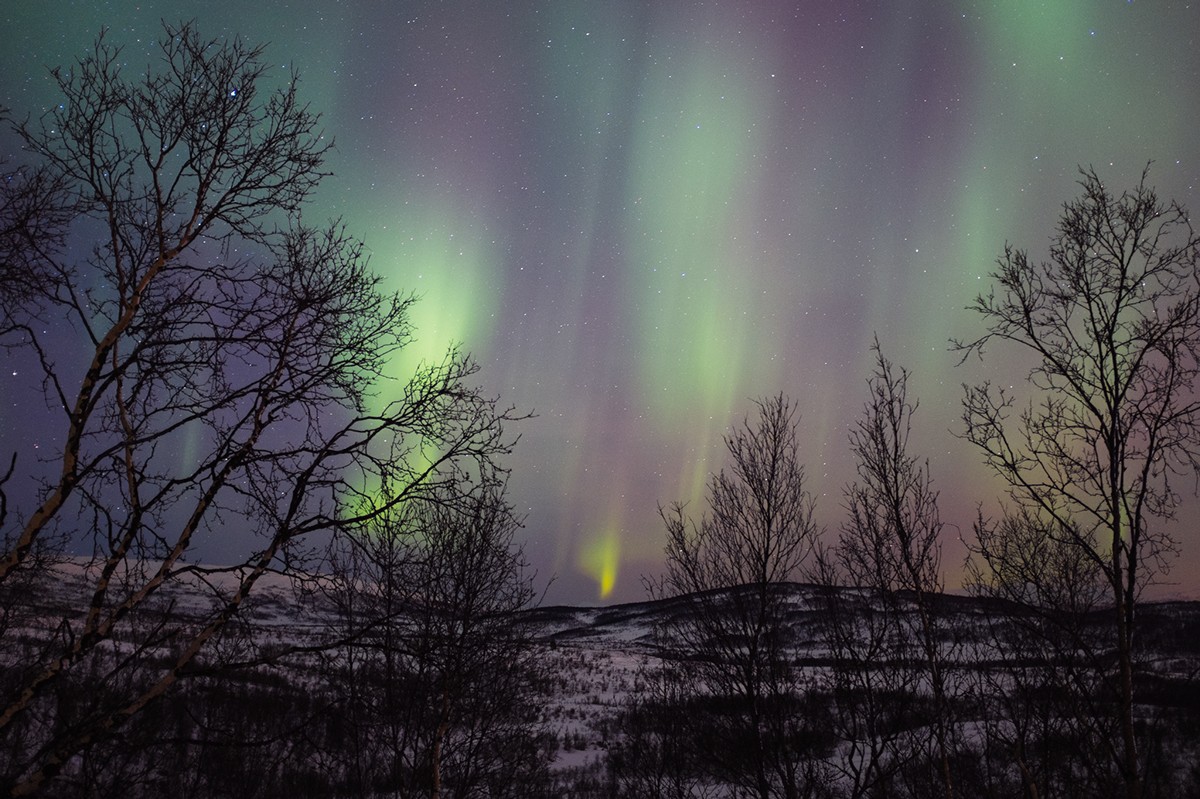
pixel 596 660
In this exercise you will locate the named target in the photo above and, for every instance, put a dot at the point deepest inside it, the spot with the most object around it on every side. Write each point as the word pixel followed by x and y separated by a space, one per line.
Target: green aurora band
pixel 638 217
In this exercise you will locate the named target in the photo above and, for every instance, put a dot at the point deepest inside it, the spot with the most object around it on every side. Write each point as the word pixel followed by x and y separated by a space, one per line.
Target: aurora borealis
pixel 640 215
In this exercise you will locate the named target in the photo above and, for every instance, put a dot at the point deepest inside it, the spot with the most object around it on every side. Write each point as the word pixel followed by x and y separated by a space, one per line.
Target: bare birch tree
pixel 444 674
pixel 1047 721
pixel 1112 324
pixel 733 566
pixel 887 562
pixel 209 362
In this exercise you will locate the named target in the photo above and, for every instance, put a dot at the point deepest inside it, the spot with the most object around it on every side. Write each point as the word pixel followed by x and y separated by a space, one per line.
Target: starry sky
pixel 638 216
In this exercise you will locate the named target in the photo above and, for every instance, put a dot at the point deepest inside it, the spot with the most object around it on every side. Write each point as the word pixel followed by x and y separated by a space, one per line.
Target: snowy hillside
pixel 596 672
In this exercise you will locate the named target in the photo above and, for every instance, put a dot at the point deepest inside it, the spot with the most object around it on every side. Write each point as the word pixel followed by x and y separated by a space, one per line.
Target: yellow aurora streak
pixel 599 558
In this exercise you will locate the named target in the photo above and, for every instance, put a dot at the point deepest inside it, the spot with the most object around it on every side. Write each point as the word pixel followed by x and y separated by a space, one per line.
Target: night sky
pixel 639 216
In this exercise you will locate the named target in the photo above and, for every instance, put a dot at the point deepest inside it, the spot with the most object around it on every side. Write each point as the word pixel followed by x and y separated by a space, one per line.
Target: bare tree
pixel 733 567
pixel 209 362
pixel 889 556
pixel 1112 323
pixel 869 688
pixel 446 681
pixel 465 634
pixel 1047 724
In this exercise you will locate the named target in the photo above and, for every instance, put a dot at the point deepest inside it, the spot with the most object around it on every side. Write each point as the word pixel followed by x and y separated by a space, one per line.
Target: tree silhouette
pixel 732 568
pixel 1112 323
pixel 887 562
pixel 437 671
pixel 214 365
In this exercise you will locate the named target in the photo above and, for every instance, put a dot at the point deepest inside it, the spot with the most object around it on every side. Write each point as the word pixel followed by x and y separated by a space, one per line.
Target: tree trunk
pixel 439 738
